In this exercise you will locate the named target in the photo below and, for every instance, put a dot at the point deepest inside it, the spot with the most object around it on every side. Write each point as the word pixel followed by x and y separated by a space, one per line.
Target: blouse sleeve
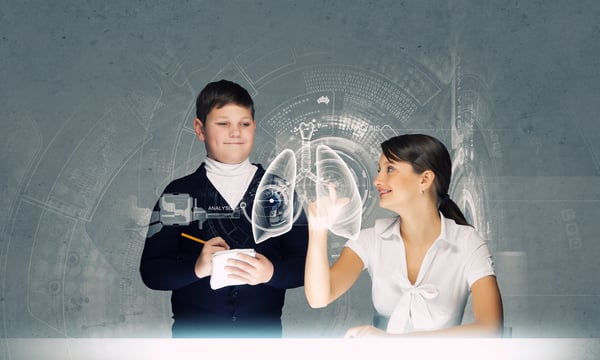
pixel 360 246
pixel 479 262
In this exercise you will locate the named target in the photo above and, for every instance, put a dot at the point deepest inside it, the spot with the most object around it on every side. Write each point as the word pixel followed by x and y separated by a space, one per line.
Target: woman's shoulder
pixel 381 227
pixel 371 239
pixel 386 226
pixel 464 236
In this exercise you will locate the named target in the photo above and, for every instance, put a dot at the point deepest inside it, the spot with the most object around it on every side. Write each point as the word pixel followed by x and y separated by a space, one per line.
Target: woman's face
pixel 397 184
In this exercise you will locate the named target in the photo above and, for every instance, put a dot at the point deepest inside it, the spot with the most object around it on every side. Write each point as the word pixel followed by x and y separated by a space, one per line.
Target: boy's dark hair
pixel 220 93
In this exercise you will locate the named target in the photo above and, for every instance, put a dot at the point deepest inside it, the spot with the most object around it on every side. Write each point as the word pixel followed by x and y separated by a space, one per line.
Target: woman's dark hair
pixel 425 152
pixel 220 93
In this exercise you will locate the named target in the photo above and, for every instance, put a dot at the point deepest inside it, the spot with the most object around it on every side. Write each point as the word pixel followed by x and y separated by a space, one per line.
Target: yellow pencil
pixel 193 238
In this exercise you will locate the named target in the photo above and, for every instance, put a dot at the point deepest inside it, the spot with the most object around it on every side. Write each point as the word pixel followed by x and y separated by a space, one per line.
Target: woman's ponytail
pixel 451 211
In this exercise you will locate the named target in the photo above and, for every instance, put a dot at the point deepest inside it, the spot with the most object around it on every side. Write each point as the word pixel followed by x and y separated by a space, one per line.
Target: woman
pixel 423 263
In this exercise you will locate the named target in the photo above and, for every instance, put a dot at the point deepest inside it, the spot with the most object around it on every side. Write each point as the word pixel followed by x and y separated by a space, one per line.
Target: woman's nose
pixel 377 180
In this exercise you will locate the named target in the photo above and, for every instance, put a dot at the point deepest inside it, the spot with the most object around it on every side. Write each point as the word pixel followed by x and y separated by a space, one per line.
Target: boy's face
pixel 228 133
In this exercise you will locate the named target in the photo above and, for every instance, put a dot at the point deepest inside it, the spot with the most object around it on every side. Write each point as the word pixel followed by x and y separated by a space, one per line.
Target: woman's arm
pixel 322 283
pixel 487 310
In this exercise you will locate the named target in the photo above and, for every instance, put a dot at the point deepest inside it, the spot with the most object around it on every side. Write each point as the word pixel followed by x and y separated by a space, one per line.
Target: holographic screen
pixel 276 205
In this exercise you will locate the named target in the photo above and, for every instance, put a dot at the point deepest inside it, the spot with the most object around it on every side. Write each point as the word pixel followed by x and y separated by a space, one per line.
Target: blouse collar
pixel 389 229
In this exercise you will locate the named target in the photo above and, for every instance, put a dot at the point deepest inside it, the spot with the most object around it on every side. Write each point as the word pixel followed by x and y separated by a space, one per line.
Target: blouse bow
pixel 413 308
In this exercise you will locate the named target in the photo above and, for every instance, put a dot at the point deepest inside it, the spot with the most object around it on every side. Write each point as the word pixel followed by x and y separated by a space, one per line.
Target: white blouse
pixel 437 300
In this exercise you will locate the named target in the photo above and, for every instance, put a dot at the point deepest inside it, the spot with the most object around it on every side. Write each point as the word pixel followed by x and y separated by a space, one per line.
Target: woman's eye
pixel 390 169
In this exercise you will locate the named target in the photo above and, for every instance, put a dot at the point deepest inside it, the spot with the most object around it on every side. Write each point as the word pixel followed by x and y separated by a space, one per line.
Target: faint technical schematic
pixel 78 231
pixel 179 209
pixel 571 228
pixel 474 144
pixel 275 207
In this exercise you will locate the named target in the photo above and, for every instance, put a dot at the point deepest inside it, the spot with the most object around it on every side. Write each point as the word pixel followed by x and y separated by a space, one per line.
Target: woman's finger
pixel 332 192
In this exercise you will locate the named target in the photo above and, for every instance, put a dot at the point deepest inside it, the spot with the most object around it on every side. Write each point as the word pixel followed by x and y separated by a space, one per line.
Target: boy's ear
pixel 199 129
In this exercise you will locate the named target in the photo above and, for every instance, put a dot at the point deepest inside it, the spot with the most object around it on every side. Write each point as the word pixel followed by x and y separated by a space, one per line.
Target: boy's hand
pixel 250 270
pixel 204 262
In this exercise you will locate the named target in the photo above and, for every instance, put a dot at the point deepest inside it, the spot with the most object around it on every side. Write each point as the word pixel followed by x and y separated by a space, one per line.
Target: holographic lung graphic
pixel 331 169
pixel 273 209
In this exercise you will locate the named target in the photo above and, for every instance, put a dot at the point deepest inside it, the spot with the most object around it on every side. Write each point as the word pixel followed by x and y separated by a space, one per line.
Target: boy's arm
pixel 161 266
pixel 289 263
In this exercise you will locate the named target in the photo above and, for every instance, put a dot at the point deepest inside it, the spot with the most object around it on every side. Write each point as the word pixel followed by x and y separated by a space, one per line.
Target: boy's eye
pixel 390 169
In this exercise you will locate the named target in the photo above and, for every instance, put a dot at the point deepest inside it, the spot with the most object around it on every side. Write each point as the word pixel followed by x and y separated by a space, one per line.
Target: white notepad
pixel 218 277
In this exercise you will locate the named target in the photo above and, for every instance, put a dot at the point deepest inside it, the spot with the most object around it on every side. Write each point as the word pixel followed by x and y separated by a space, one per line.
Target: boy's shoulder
pixel 185 182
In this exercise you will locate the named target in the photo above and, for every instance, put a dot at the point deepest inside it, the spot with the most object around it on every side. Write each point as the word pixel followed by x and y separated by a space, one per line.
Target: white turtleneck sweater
pixel 230 180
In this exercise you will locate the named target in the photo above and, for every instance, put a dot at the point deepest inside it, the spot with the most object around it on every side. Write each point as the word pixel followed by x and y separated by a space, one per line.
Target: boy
pixel 222 189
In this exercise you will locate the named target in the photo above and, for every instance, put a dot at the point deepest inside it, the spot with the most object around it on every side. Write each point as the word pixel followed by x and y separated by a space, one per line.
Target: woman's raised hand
pixel 324 212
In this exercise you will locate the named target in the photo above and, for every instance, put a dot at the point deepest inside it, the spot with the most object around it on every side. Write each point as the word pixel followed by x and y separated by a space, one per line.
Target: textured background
pixel 96 111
